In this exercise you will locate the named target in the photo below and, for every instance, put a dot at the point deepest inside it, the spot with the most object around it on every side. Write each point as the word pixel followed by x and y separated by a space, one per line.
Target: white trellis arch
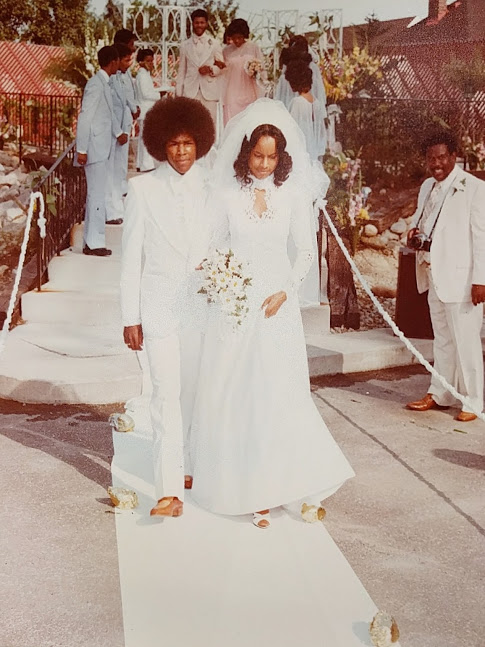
pixel 164 27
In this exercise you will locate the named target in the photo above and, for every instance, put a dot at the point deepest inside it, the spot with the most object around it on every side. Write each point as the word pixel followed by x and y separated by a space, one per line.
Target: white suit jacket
pixel 165 237
pixel 130 90
pixel 193 56
pixel 146 93
pixel 96 126
pixel 458 242
pixel 120 114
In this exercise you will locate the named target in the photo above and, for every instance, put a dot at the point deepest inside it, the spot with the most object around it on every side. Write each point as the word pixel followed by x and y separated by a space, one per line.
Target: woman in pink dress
pixel 241 89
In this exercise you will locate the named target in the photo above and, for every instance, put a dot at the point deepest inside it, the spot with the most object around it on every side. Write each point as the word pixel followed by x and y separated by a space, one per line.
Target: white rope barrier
pixel 41 222
pixel 467 405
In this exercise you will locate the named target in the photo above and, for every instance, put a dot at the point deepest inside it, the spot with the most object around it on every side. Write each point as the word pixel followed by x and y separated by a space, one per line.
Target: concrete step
pixel 83 307
pixel 73 270
pixel 114 234
pixel 316 320
pixel 68 364
pixel 360 351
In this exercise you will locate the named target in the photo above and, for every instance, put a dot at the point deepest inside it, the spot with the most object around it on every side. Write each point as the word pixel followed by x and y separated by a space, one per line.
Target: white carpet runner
pixel 204 580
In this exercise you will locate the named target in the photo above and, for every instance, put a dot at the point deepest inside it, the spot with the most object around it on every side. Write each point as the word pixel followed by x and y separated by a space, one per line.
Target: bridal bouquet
pixel 253 68
pixel 226 281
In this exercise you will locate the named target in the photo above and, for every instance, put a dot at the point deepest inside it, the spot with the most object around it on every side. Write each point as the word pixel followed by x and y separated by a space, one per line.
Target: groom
pixel 163 242
pixel 201 63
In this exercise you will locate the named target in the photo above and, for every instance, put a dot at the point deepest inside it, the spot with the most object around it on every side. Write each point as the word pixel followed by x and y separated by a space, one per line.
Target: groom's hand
pixel 478 294
pixel 133 336
pixel 273 303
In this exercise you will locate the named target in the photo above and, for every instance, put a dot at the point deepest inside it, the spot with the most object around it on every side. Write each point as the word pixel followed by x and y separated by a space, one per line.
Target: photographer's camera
pixel 419 242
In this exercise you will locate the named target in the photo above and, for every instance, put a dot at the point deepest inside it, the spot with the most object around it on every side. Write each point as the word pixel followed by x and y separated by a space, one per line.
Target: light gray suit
pixel 195 53
pixel 457 261
pixel 118 159
pixel 95 135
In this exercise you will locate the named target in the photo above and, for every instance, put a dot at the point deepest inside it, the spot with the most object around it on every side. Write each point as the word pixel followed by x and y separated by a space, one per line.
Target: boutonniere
pixel 460 187
pixel 210 41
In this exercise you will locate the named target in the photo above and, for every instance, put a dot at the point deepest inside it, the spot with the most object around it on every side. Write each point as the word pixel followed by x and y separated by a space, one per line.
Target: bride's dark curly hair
pixel 285 163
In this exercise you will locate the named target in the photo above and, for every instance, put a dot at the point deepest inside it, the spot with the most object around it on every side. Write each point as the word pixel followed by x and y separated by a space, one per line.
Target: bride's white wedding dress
pixel 258 440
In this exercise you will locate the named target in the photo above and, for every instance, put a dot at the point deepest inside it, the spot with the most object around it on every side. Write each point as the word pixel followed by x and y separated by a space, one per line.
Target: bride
pixel 258 441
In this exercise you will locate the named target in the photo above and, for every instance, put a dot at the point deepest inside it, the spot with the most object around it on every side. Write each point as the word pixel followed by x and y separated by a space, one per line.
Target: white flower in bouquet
pixel 226 281
pixel 253 68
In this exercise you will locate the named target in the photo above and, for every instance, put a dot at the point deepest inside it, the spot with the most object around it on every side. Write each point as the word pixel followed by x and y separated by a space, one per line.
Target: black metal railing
pixel 64 191
pixel 43 122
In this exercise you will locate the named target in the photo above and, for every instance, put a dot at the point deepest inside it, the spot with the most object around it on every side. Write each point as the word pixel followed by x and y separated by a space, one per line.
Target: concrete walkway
pixel 411 524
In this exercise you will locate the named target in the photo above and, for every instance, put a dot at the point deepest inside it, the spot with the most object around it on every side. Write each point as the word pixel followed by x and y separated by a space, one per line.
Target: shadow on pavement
pixel 78 435
pixel 465 459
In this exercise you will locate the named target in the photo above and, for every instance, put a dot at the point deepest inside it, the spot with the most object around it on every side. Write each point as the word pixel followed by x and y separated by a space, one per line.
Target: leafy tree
pixel 45 22
pixel 221 13
pixel 365 35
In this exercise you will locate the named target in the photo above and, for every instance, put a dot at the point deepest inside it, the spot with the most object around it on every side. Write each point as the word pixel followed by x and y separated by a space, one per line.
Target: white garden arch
pixel 169 25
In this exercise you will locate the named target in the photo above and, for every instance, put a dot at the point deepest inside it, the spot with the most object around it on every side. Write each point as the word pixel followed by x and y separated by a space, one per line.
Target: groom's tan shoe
pixel 466 416
pixel 424 404
pixel 169 506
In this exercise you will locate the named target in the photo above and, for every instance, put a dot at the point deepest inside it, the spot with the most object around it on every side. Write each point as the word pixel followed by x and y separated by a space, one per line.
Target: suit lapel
pixel 119 89
pixel 453 205
pixel 107 91
pixel 191 52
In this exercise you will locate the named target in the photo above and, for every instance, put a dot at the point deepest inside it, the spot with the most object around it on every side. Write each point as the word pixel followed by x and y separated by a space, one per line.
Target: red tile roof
pixel 22 68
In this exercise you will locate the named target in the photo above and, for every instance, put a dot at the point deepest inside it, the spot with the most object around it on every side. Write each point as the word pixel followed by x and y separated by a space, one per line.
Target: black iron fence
pixel 64 191
pixel 45 123
pixel 387 132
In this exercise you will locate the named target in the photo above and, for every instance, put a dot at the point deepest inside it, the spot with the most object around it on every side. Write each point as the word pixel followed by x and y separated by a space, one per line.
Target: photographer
pixel 448 233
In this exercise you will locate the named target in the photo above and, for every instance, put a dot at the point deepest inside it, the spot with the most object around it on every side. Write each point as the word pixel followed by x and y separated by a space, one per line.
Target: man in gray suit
pixel 95 137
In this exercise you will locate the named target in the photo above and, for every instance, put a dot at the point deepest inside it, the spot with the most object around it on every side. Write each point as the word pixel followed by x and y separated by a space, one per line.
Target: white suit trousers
pixel 117 171
pixel 457 349
pixel 174 368
pixel 210 105
pixel 144 161
pixel 95 216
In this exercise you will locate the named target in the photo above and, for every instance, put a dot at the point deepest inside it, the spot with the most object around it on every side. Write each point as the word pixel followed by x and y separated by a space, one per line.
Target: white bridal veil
pixel 262 111
pixel 306 180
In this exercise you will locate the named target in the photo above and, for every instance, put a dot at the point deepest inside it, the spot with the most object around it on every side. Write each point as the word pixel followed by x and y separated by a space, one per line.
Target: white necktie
pixel 432 202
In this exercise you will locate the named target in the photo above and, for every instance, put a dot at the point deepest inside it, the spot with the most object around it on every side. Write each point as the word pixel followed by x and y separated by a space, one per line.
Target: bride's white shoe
pixel 312 513
pixel 261 520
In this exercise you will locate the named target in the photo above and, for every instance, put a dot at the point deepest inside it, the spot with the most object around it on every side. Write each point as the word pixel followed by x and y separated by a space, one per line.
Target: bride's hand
pixel 200 266
pixel 273 303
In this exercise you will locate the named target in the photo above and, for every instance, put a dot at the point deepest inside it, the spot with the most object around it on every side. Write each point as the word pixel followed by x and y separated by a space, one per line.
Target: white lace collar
pixel 264 184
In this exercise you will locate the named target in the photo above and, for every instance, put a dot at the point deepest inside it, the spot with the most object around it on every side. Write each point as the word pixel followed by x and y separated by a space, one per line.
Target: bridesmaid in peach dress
pixel 240 89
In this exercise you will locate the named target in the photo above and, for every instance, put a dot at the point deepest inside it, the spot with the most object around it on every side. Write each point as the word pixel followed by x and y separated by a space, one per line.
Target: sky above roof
pixel 354 11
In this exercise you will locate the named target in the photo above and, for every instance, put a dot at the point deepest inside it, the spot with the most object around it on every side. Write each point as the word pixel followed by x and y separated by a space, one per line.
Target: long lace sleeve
pixel 304 237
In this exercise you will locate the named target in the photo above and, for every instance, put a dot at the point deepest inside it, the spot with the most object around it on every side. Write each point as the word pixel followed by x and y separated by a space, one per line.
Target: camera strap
pixel 428 197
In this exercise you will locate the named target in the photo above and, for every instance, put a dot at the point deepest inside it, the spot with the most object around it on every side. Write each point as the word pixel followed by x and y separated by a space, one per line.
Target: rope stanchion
pixel 34 197
pixel 468 406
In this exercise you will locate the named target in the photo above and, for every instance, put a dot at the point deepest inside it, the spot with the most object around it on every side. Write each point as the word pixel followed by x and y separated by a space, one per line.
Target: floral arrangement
pixel 474 152
pixel 344 76
pixel 347 197
pixel 383 630
pixel 226 281
pixel 253 68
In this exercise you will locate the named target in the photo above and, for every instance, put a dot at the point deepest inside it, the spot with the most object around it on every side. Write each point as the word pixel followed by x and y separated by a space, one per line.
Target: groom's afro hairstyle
pixel 174 116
